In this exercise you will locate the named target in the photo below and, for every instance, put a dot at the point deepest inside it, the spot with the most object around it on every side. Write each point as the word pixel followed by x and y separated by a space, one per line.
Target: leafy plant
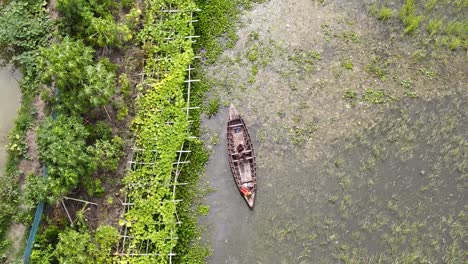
pixel 99 130
pixel 434 26
pixel 376 97
pixel 203 210
pixel 36 191
pixel 62 146
pixel 252 54
pixel 377 68
pixel 104 32
pixel 98 86
pixel 77 14
pixel 105 237
pixel 213 107
pixel 124 84
pixel 74 247
pixel 350 94
pixel 347 64
pixel 133 18
pixel 107 153
pixel 81 83
pixel 23 26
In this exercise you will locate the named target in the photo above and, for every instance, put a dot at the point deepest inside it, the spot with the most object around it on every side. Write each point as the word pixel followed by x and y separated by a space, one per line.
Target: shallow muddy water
pixel 360 164
pixel 9 102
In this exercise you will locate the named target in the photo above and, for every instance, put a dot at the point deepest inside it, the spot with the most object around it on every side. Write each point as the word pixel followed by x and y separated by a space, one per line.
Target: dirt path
pixel 312 82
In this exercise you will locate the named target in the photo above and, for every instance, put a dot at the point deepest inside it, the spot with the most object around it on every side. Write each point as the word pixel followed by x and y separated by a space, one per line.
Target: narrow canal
pixel 10 96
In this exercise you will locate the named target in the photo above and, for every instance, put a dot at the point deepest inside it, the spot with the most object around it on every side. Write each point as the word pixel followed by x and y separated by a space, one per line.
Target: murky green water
pixel 378 176
pixel 9 102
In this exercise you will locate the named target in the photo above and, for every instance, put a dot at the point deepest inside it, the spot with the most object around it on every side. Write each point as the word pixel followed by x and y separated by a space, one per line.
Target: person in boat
pixel 240 151
pixel 245 191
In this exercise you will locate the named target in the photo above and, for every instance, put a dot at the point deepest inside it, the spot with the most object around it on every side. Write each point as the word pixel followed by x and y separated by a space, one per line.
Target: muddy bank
pixel 360 143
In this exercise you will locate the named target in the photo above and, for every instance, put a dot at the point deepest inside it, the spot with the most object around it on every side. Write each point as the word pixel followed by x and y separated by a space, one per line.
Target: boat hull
pixel 241 159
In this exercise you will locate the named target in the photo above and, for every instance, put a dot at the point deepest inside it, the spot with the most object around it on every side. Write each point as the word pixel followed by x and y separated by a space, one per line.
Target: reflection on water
pixel 9 102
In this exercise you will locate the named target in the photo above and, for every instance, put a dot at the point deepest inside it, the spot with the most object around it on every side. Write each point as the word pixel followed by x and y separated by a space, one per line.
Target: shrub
pixel 106 237
pixel 23 26
pixel 107 153
pixel 75 248
pixel 62 147
pixel 82 84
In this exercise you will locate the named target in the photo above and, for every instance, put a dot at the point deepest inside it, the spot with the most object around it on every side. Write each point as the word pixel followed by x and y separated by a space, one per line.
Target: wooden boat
pixel 241 157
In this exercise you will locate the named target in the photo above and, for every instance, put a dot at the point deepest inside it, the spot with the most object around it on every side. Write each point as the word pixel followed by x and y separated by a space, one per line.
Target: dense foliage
pixel 23 26
pixel 75 245
pixel 78 82
pixel 62 146
pixel 217 25
pixel 82 84
pixel 93 21
pixel 160 124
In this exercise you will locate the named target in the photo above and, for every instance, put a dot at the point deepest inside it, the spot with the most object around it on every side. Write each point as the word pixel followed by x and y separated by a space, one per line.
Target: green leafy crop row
pixel 160 124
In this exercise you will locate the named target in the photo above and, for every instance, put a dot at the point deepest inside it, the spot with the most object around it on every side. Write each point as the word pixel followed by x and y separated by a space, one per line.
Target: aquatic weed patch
pixel 217 25
pixel 443 23
pixel 403 164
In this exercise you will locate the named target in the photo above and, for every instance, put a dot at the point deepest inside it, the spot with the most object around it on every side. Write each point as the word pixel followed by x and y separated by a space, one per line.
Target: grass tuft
pixel 385 14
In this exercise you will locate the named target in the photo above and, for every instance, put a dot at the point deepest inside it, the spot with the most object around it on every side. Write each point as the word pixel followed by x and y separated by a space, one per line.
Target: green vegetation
pixel 218 21
pixel 305 60
pixel 350 95
pixel 399 223
pixel 375 97
pixel 62 146
pixel 81 83
pixel 213 107
pixel 161 124
pixel 347 64
pixel 94 22
pixel 385 13
pixel 444 21
pixel 434 26
pixel 409 17
pixel 23 27
pixel 75 84
pixel 75 245
pixel 214 140
pixel 377 68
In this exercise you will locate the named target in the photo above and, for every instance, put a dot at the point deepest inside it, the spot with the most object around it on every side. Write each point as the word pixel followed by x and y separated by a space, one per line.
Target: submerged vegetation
pixel 444 21
pixel 360 149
